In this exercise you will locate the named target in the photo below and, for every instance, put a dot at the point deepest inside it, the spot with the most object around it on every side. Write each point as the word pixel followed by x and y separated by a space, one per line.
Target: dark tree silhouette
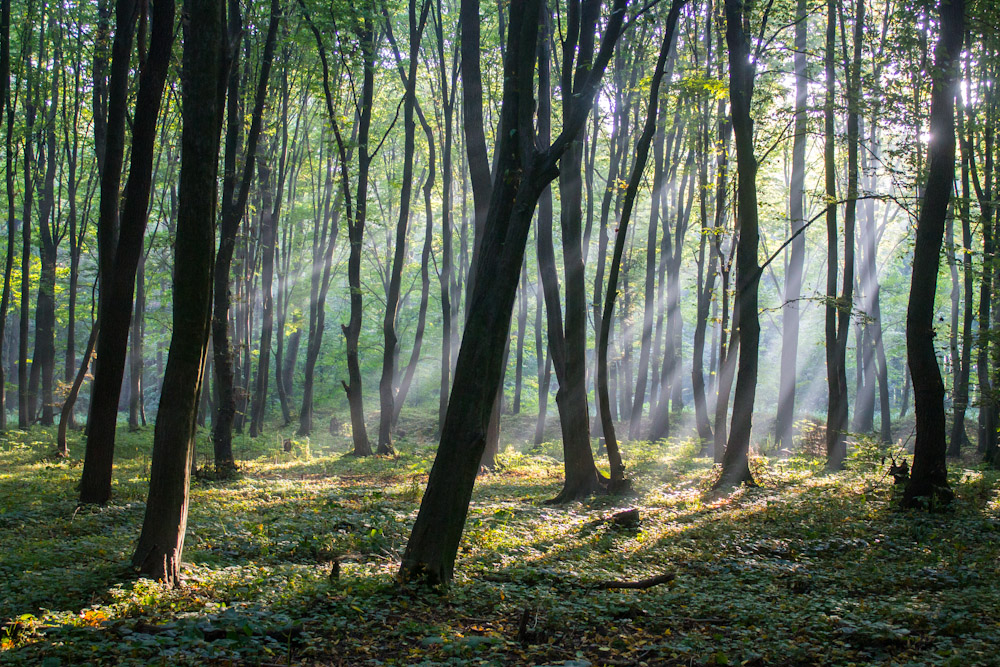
pixel 928 482
pixel 161 543
pixel 735 463
pixel 524 169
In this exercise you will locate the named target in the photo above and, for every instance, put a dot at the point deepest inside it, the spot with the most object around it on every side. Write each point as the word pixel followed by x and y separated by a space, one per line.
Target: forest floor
pixel 810 568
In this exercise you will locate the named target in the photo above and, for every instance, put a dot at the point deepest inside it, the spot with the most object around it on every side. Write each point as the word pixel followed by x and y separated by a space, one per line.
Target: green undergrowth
pixel 293 562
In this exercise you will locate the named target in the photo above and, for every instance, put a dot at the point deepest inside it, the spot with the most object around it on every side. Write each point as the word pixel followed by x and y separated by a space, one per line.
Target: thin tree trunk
pixel 136 412
pixel 235 192
pixel 836 415
pixel 791 311
pixel 618 481
pixel 958 435
pixel 649 292
pixel 268 232
pixel 25 401
pixel 390 349
pixel 11 224
pixel 522 321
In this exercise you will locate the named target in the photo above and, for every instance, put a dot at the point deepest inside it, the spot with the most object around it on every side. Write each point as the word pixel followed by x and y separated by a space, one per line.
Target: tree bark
pixel 928 483
pixel 115 311
pixel 390 350
pixel 235 192
pixel 523 169
pixel 160 548
pixel 735 463
pixel 791 311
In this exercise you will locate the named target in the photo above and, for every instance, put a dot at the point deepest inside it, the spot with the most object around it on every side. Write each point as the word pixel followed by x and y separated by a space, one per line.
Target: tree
pixel 389 354
pixel 642 153
pixel 928 483
pixel 735 463
pixel 161 543
pixel 235 193
pixel 119 269
pixel 791 317
pixel 524 169
pixel 567 341
pixel 6 107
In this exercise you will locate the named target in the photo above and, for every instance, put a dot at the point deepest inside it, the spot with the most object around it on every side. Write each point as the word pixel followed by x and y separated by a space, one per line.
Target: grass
pixel 809 569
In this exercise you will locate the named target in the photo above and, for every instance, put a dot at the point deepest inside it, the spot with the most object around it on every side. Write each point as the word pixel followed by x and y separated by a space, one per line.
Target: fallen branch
pixel 640 585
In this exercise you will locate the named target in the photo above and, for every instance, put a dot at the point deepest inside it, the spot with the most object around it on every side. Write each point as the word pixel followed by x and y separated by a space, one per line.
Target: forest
pixel 526 332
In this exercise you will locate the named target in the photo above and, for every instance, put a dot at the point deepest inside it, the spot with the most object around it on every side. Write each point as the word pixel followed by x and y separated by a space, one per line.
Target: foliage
pixel 809 569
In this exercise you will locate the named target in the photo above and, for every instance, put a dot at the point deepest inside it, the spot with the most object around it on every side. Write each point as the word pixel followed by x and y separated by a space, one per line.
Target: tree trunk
pixel 523 171
pixel 268 232
pixel 928 484
pixel 567 345
pixel 136 411
pixel 649 289
pixel 25 401
pixel 618 481
pixel 390 350
pixel 836 377
pixel 11 224
pixel 235 191
pixel 522 322
pixel 791 311
pixel 160 548
pixel 449 285
pixel 115 312
pixel 735 463
pixel 958 436
pixel 425 289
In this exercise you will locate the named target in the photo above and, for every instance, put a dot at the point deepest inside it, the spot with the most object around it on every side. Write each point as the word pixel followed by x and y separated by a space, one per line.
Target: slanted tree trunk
pixel 649 289
pixel 524 169
pixel 161 543
pixel 928 484
pixel 115 311
pixel 706 274
pixel 618 481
